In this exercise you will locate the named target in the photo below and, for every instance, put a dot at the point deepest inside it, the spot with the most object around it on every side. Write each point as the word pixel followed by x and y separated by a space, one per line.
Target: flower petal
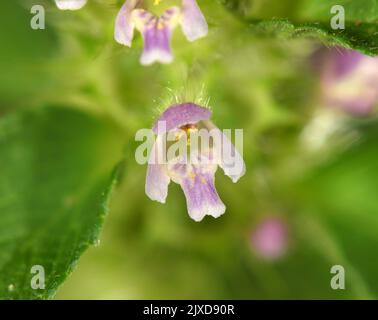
pixel 70 4
pixel 157 180
pixel 156 45
pixel 124 25
pixel 180 115
pixel 157 34
pixel 201 196
pixel 229 159
pixel 193 22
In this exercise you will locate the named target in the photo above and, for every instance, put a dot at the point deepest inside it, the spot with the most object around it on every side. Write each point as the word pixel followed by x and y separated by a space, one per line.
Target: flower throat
pixel 157 7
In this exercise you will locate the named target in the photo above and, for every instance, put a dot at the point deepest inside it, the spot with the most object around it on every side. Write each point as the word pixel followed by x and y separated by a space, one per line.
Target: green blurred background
pixel 312 166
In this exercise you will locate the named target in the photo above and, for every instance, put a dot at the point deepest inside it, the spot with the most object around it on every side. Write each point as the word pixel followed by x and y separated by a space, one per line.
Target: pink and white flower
pixel 157 30
pixel 196 178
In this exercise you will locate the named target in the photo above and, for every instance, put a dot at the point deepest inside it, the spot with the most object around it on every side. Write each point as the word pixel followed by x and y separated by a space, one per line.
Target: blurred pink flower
pixel 349 80
pixel 269 239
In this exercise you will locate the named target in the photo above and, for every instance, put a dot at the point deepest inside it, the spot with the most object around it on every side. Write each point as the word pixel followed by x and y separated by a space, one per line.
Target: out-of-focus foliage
pixel 311 18
pixel 350 211
pixel 310 165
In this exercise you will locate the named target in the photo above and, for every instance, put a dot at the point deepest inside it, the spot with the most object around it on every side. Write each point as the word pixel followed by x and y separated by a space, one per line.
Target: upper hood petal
pixel 179 115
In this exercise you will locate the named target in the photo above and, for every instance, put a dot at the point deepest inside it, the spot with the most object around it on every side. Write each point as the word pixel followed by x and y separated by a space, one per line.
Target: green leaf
pixel 311 18
pixel 55 182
